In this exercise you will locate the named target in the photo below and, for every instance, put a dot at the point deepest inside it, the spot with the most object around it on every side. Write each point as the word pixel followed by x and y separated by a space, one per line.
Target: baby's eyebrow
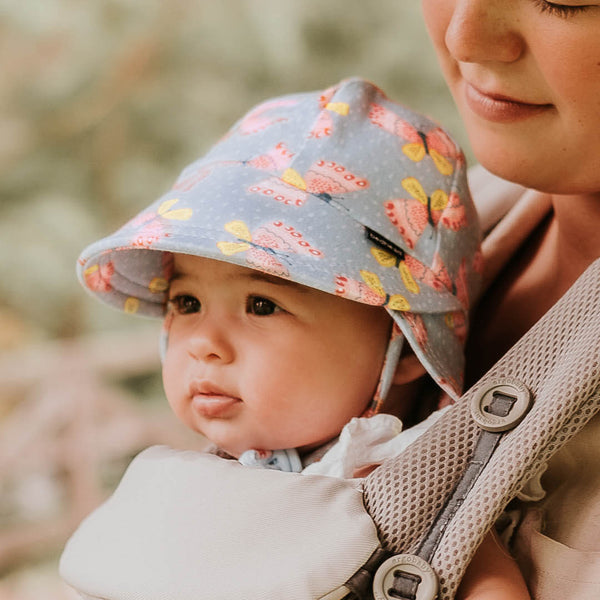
pixel 176 275
pixel 252 275
pixel 266 278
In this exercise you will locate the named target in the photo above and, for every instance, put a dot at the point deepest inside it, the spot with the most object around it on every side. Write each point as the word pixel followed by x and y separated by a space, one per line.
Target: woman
pixel 525 75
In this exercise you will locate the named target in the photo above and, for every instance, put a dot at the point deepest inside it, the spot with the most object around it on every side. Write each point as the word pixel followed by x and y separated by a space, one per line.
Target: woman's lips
pixel 501 109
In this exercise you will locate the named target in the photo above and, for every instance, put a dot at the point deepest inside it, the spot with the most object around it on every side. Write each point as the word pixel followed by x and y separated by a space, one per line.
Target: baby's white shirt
pixel 366 441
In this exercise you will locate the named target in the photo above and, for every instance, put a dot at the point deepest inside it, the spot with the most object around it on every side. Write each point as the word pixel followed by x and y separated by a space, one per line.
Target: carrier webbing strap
pixel 486 444
pixel 405 585
pixel 558 361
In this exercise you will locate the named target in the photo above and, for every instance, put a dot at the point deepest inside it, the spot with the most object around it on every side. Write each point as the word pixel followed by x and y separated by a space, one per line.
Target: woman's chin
pixel 542 176
pixel 518 167
pixel 534 163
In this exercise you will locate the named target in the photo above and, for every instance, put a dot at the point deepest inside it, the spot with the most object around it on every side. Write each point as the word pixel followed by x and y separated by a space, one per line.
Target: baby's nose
pixel 211 340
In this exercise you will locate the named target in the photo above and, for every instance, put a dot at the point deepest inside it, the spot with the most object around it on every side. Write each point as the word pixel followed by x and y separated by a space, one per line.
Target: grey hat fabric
pixel 341 190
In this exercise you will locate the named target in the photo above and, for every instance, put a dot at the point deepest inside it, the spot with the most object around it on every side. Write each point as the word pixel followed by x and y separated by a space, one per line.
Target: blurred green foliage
pixel 103 102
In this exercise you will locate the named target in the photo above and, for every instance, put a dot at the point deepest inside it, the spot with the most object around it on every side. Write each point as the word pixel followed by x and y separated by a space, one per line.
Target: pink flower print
pixel 457 322
pixel 461 284
pixel 149 234
pixel 454 216
pixel 276 159
pixel 369 291
pixel 323 126
pixel 436 277
pixel 326 178
pixel 357 291
pixel 418 328
pixel 411 216
pixel 268 247
pixel 98 276
pixel 435 143
pixel 412 270
pixel 280 191
pixel 257 120
pixel 152 225
pixel 323 179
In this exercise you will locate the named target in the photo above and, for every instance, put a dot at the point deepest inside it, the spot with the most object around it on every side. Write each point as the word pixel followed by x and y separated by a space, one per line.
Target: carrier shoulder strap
pixel 434 503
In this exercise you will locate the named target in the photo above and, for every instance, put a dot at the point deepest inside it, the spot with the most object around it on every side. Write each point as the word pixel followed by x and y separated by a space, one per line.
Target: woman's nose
pixel 483 31
pixel 211 341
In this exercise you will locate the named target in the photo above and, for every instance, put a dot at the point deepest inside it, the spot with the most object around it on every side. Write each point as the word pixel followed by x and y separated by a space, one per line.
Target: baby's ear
pixel 409 368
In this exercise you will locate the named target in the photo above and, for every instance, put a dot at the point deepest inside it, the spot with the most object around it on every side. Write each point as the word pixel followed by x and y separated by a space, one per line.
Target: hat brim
pixel 130 269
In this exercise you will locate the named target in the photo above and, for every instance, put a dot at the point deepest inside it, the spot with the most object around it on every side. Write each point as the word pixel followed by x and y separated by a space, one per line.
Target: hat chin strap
pixel 163 339
pixel 388 370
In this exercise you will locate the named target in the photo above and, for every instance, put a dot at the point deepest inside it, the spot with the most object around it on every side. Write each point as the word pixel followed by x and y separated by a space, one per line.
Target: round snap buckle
pixel 416 572
pixel 501 404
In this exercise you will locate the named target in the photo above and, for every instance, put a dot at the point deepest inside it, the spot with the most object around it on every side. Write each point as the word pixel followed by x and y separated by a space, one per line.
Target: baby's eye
pixel 261 307
pixel 185 304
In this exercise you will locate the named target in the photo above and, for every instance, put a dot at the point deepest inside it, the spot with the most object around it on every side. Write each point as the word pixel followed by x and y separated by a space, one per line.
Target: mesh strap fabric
pixel 559 361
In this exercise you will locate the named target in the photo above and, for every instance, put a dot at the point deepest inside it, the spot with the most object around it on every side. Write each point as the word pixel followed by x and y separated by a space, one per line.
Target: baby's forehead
pixel 188 266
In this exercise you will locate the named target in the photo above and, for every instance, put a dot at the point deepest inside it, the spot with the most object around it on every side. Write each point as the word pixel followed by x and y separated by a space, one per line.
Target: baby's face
pixel 258 362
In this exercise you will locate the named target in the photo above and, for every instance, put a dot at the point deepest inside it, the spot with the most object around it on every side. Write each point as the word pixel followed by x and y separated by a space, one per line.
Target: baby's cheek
pixel 170 378
pixel 163 342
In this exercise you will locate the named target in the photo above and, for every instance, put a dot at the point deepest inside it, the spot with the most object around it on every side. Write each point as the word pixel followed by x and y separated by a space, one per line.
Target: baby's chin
pixel 236 450
pixel 303 446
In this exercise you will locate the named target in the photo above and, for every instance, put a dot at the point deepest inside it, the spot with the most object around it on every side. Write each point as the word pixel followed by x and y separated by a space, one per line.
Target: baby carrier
pixel 406 531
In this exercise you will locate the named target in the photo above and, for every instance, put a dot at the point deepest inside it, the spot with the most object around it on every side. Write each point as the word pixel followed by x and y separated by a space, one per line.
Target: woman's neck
pixel 576 233
pixel 564 244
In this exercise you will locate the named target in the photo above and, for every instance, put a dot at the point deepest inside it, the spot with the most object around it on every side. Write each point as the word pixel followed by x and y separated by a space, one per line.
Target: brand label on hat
pixel 384 243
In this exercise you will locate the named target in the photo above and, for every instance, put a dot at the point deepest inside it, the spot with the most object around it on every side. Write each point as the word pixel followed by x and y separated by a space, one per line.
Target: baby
pixel 292 262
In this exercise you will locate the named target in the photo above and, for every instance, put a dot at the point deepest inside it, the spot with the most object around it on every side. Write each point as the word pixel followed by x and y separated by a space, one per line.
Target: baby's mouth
pixel 211 402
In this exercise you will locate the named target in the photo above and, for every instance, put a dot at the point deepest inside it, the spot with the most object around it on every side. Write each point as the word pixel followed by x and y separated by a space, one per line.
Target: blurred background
pixel 102 103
